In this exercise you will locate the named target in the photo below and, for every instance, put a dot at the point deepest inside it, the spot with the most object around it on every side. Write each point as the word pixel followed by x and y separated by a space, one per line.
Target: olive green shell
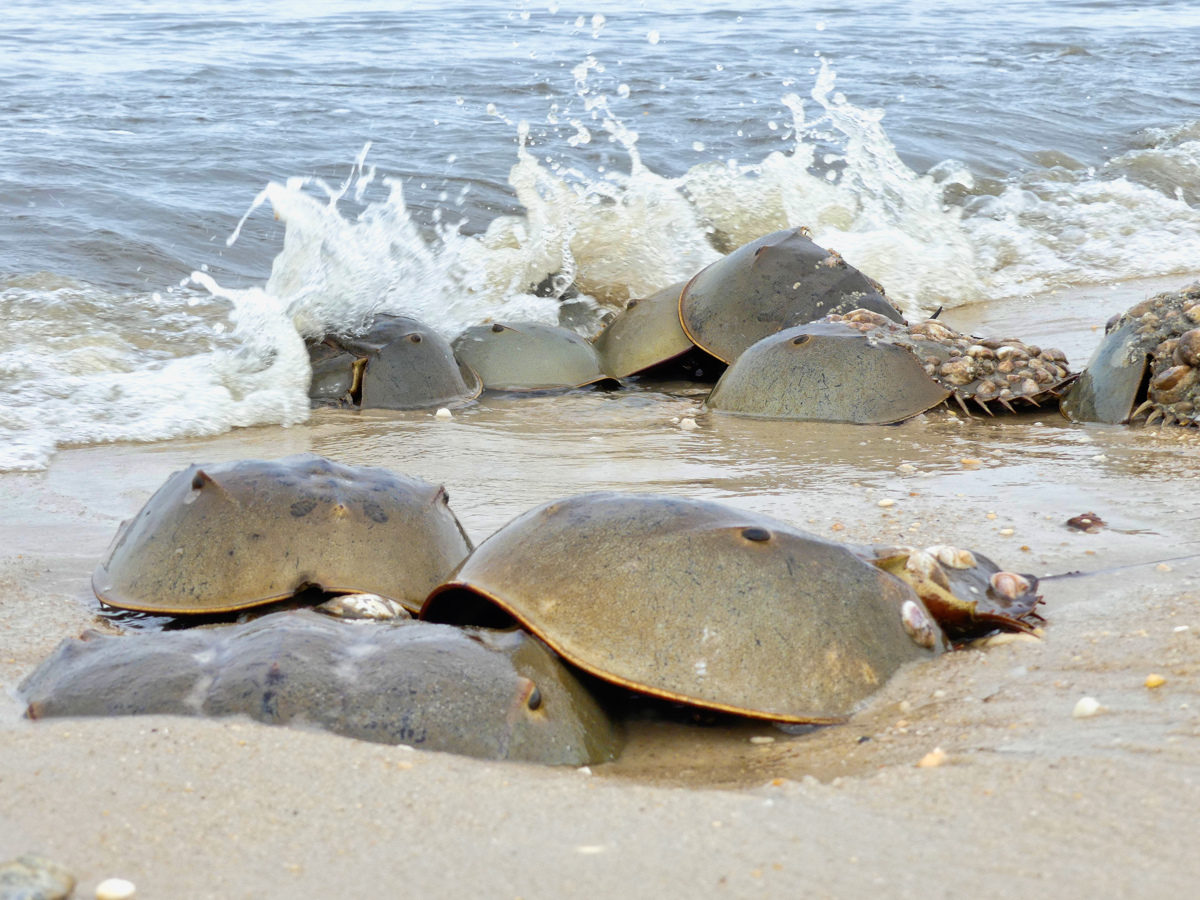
pixel 1148 364
pixel 528 356
pixel 645 334
pixel 826 372
pixel 772 283
pixel 695 602
pixel 1108 388
pixel 479 693
pixel 399 363
pixel 223 537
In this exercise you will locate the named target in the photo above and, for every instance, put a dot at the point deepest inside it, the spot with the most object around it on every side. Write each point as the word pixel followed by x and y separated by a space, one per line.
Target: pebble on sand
pixel 443 413
pixel 1086 708
pixel 35 876
pixel 884 504
pixel 688 424
pixel 970 462
pixel 115 889
pixel 932 759
pixel 1154 680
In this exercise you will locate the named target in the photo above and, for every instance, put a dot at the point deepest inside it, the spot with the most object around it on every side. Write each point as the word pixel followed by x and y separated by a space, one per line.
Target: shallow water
pixel 187 197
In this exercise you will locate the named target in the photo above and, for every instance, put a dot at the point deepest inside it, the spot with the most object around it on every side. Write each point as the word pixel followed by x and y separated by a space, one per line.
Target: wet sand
pixel 1028 800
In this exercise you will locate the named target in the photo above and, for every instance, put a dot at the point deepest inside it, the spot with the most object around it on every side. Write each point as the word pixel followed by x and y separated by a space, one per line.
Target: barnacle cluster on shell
pixel 1168 330
pixel 986 370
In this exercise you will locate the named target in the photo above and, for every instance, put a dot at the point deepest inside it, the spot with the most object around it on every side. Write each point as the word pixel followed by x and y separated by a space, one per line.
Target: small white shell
pixel 1010 584
pixel 115 889
pixel 363 606
pixel 925 566
pixel 954 557
pixel 1086 708
pixel 918 624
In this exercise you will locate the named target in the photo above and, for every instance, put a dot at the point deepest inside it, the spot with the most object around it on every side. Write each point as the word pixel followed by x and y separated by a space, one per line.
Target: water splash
pixel 84 369
pixel 80 366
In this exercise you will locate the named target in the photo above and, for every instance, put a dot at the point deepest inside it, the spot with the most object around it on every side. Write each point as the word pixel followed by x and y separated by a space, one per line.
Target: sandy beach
pixel 1028 800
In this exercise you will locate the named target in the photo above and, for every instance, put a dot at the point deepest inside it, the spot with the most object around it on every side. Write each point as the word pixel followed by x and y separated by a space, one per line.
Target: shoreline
pixel 1050 803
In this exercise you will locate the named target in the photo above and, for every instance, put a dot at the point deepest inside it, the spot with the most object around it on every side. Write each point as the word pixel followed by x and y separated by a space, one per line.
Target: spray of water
pixel 216 358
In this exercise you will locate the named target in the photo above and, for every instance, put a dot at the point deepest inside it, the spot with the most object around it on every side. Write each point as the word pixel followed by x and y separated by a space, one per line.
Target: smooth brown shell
pixel 693 601
pixel 223 537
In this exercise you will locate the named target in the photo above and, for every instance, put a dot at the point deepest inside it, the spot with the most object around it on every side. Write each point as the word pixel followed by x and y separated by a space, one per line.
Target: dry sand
pixel 1027 801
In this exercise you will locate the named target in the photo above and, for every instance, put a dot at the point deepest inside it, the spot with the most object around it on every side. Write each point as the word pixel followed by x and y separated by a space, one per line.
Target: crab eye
pixel 801 340
pixel 415 338
pixel 497 328
pixel 756 534
pixel 534 700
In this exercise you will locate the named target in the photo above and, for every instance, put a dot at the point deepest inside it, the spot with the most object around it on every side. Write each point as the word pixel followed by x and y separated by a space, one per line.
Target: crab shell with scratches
pixel 230 536
pixel 696 602
pixel 495 695
pixel 1147 365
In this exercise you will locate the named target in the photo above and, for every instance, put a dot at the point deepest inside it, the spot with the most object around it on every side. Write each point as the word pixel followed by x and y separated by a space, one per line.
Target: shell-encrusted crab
pixel 966 592
pixel 989 371
pixel 1148 364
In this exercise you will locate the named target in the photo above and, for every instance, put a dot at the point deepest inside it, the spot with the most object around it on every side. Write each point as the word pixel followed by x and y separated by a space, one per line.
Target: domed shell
pixel 826 372
pixel 399 363
pixel 775 282
pixel 528 356
pixel 645 334
pixel 695 602
pixel 496 695
pixel 228 536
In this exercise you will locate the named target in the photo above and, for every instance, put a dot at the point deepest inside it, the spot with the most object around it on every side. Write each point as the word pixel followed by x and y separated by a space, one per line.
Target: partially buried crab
pixel 1148 364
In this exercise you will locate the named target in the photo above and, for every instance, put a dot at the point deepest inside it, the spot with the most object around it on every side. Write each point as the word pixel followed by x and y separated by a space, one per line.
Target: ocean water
pixel 186 194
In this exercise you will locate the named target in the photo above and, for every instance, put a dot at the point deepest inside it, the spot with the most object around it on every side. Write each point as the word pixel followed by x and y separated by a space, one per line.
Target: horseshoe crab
pixel 478 693
pixel 991 372
pixel 966 592
pixel 398 364
pixel 829 372
pixel 528 356
pixel 1150 353
pixel 647 335
pixel 695 602
pixel 775 282
pixel 224 537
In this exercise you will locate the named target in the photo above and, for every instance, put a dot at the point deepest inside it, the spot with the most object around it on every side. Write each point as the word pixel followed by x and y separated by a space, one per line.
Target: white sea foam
pixel 87 367
pixel 114 387
pixel 622 234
